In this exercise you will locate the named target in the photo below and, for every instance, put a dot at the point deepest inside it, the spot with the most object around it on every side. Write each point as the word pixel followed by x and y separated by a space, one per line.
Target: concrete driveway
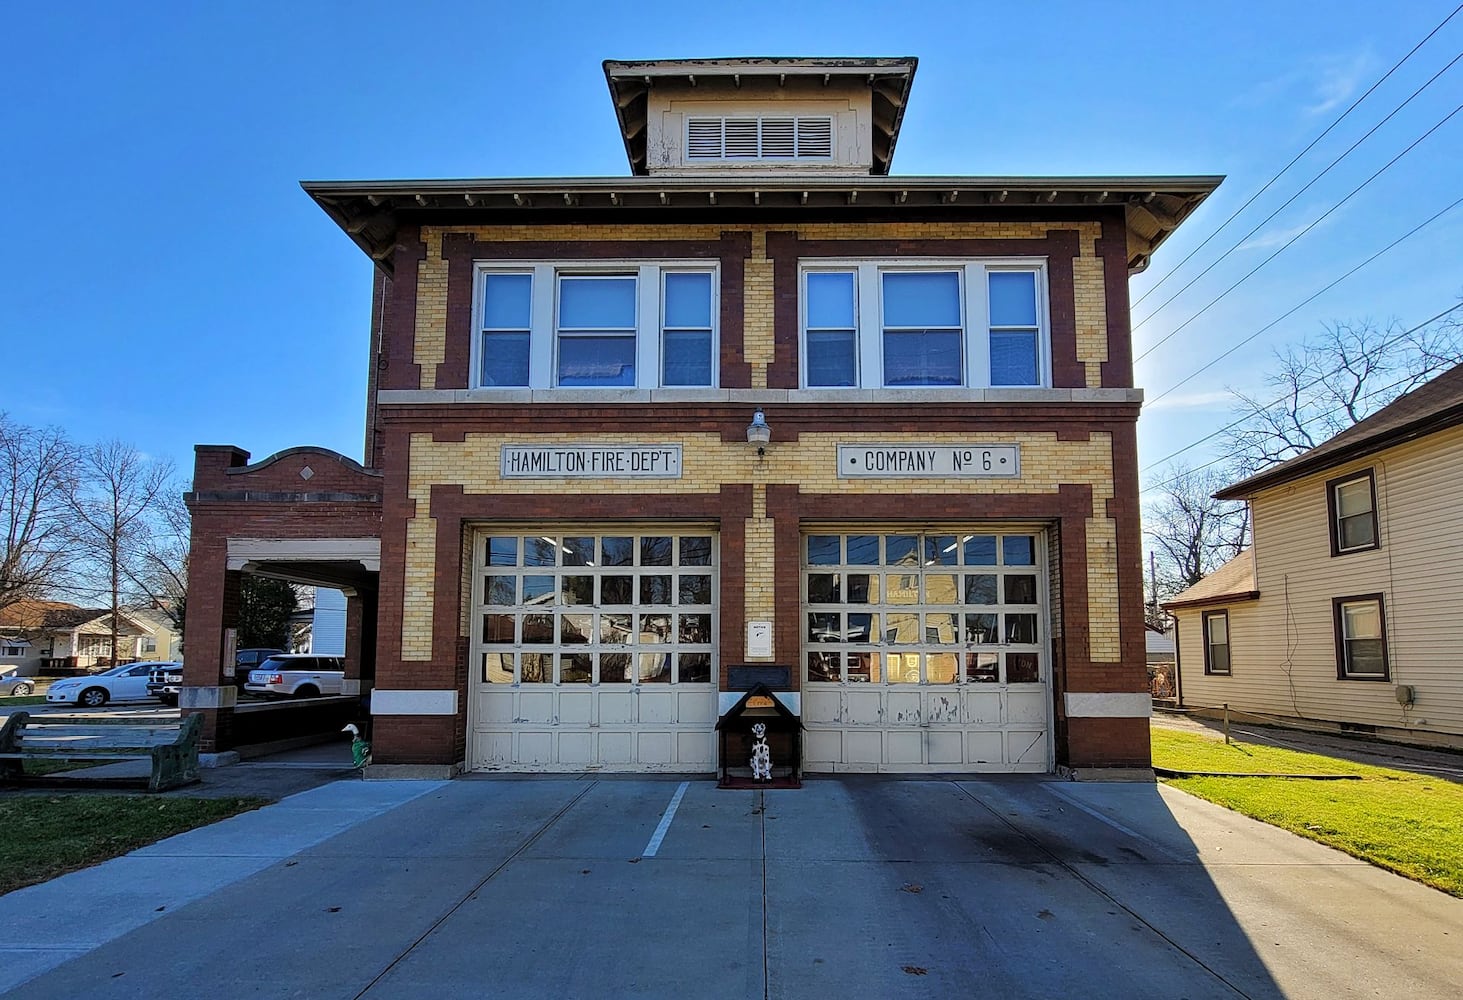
pixel 617 887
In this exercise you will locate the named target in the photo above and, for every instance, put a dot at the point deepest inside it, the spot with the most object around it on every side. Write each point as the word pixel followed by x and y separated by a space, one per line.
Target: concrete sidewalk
pixel 866 887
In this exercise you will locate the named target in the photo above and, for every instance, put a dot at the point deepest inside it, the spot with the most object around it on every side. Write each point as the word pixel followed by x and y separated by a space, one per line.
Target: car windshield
pixel 117 671
pixel 274 663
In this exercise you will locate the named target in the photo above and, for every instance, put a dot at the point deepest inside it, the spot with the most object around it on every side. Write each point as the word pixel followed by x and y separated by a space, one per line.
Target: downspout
pixel 1178 671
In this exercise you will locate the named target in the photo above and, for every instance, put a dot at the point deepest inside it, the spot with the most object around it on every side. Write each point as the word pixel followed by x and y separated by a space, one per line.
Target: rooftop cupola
pixel 771 116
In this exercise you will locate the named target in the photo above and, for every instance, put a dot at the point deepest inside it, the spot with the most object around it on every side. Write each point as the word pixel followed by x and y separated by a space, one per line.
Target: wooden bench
pixel 171 746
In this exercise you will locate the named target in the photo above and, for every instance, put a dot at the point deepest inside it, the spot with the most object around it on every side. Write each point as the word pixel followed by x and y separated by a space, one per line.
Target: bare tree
pixel 1192 533
pixel 112 504
pixel 158 570
pixel 37 471
pixel 1334 380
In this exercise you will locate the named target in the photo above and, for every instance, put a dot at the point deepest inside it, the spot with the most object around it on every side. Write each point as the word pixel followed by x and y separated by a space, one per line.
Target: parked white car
pixel 297 675
pixel 125 683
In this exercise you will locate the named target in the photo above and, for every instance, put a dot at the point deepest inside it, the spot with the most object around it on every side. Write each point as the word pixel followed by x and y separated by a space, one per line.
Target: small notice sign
pixel 928 461
pixel 584 461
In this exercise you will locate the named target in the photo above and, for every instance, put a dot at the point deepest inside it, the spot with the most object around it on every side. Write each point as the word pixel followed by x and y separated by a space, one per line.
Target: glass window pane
pixel 1218 628
pixel 901 550
pixel 940 668
pixel 596 361
pixel 824 588
pixel 861 627
pixel 1364 656
pixel 942 588
pixel 687 358
pixel 655 589
pixel 981 629
pixel 539 551
pixel 902 629
pixel 538 590
pixel 863 550
pixel 578 551
pixel 505 359
pixel 824 666
pixel 980 588
pixel 863 668
pixel 616 590
pixel 1354 498
pixel 537 668
pixel 506 301
pixel 577 590
pixel 655 629
pixel 1021 629
pixel 922 298
pixel 1021 589
pixel 688 300
pixel 503 551
pixel 1013 298
pixel 655 668
pixel 587 303
pixel 538 630
pixel 901 588
pixel 695 589
pixel 1013 358
pixel 1022 668
pixel 980 550
pixel 1362 621
pixel 832 358
pixel 617 551
pixel 940 550
pixel 823 550
pixel 825 627
pixel 614 668
pixel 1019 550
pixel 694 668
pixel 656 550
pixel 1219 659
pixel 575 630
pixel 863 588
pixel 941 629
pixel 982 668
pixel 575 668
pixel 695 628
pixel 903 668
pixel 498 668
pixel 616 630
pixel 922 357
pixel 695 551
pixel 500 590
pixel 831 300
pixel 498 628
pixel 1356 532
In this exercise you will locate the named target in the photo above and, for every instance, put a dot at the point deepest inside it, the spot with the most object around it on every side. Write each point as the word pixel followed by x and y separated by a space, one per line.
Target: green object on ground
pixel 30 699
pixel 1408 823
pixel 49 835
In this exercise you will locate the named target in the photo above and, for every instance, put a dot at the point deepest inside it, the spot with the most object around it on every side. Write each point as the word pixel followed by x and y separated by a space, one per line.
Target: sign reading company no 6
pixel 590 461
pixel 906 461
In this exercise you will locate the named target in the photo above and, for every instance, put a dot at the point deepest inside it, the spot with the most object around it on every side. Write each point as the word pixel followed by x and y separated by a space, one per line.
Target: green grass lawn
pixel 29 699
pixel 49 835
pixel 1404 822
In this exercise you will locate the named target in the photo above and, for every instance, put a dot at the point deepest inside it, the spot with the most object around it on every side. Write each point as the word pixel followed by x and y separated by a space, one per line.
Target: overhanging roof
pixel 1230 583
pixel 889 80
pixel 370 212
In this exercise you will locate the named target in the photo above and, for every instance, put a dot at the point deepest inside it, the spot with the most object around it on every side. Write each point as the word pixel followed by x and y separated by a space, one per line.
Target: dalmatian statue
pixel 761 754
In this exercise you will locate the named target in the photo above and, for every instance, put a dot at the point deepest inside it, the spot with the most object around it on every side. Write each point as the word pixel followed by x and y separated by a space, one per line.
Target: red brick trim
pixel 398 335
pixel 1112 247
pixel 1060 247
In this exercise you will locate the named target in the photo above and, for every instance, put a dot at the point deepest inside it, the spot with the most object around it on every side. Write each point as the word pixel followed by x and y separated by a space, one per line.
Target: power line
pixel 1309 299
pixel 1286 204
pixel 1290 242
pixel 1309 385
pixel 1283 170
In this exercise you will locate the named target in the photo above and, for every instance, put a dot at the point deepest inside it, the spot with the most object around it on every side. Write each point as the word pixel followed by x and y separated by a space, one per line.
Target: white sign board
pixel 759 638
pixel 586 461
pixel 926 461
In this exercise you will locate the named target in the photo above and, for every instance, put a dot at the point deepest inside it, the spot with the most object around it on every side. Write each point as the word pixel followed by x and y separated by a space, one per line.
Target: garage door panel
pixel 823 748
pixel 696 707
pixel 942 706
pixel 576 748
pixel 1026 748
pixel 657 707
pixel 1026 707
pixel 576 708
pixel 822 705
pixel 496 707
pixel 985 747
pixel 695 751
pixel 983 708
pixel 616 708
pixel 863 747
pixel 535 747
pixel 536 707
pixel 904 747
pixel 904 709
pixel 495 748
pixel 655 748
pixel 946 748
pixel 616 748
pixel 863 708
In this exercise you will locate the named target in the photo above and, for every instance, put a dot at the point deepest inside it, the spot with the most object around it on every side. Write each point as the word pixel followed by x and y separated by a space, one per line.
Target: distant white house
pixel 41 636
pixel 327 626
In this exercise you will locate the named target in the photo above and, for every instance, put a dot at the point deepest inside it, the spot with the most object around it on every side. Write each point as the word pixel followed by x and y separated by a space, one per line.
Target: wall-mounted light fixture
pixel 759 433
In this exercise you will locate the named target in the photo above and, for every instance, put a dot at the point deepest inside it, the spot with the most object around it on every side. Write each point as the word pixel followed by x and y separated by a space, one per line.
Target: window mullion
pixel 977 327
pixel 647 326
pixel 870 337
pixel 542 359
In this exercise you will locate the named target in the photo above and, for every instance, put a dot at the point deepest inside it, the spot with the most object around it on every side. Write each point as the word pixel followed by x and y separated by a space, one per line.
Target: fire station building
pixel 758 411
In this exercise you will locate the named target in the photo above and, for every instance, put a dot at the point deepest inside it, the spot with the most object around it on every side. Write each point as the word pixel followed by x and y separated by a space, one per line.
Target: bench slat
pixel 92 743
pixel 102 731
pixel 48 755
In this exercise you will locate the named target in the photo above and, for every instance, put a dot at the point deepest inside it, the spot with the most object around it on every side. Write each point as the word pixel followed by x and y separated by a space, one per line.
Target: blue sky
pixel 167 282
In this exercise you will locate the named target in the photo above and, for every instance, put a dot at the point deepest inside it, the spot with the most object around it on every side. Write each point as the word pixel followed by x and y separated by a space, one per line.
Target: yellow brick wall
pixel 708 462
pixel 757 337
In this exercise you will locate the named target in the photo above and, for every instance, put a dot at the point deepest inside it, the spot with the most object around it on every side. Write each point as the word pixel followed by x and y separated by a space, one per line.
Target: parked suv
pixel 164 682
pixel 246 660
pixel 297 675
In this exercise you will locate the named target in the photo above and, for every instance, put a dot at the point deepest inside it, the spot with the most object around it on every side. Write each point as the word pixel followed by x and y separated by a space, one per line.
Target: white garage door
pixel 593 650
pixel 925 651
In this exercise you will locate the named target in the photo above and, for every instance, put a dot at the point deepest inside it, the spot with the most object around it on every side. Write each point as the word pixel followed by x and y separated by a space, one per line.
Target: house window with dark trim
pixel 1361 638
pixel 1216 642
pixel 1352 501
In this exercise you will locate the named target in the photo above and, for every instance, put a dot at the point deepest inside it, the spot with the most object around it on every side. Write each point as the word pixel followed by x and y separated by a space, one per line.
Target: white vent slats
pixel 782 137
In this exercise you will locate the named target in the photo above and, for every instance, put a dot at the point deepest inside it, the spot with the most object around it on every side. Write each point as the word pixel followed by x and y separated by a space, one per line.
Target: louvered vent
pixel 769 138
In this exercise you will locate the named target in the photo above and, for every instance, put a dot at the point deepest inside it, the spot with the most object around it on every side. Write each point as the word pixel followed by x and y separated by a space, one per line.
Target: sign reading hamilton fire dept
pixel 590 461
pixel 927 461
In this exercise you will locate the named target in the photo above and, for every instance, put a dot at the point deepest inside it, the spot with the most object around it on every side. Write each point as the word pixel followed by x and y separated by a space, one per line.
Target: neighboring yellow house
pixel 1344 613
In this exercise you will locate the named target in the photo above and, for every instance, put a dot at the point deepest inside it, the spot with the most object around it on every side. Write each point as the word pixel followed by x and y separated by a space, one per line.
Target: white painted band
pixel 726 700
pixel 413 702
pixel 1112 705
pixel 208 697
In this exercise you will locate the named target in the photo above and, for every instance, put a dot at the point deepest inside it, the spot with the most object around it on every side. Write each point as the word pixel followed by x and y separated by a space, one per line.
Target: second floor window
pixel 1353 508
pixel 879 325
pixel 545 326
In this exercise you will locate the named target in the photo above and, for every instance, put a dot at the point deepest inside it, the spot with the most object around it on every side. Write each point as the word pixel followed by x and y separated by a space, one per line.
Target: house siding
pixel 1284 649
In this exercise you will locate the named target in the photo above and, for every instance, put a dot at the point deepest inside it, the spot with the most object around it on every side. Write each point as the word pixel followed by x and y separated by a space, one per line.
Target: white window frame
pixel 543 340
pixel 975 317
